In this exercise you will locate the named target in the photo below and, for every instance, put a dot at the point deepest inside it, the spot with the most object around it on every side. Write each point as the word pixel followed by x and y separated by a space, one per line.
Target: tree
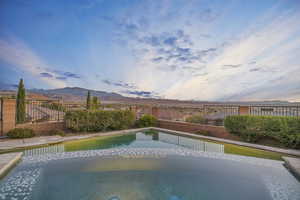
pixel 88 100
pixel 95 103
pixel 20 104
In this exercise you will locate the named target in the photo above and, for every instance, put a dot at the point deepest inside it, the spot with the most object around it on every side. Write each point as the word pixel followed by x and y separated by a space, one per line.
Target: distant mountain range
pixel 76 93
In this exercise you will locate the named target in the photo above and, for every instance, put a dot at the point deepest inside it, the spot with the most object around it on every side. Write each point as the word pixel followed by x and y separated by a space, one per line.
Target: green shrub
pixel 99 120
pixel 286 130
pixel 146 121
pixel 197 119
pixel 21 133
pixel 57 132
pixel 204 132
pixel 150 132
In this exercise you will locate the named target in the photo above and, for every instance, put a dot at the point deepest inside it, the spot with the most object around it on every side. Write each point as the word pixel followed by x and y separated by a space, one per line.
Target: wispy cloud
pixel 202 50
pixel 271 51
pixel 137 93
pixel 119 84
pixel 17 53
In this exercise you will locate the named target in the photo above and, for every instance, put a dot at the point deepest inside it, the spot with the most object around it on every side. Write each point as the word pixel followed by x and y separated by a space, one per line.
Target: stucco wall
pixel 8 115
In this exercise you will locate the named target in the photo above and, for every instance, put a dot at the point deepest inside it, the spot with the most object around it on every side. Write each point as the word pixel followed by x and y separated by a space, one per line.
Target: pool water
pixel 140 139
pixel 146 167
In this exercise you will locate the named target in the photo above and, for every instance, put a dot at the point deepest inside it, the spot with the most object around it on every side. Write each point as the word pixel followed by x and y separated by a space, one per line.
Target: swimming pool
pixel 146 166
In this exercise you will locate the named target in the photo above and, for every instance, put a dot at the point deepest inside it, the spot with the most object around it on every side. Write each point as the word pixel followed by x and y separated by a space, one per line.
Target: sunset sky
pixel 179 49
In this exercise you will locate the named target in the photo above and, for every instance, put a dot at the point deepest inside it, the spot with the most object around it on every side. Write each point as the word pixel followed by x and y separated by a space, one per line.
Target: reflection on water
pixel 155 140
pixel 39 151
pixel 191 143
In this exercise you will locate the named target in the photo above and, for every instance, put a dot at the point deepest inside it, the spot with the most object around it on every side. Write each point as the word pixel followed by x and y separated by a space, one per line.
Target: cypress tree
pixel 95 103
pixel 20 104
pixel 88 100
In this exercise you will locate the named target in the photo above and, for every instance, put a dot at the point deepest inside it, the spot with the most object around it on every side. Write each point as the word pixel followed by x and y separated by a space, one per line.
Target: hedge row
pixel 286 130
pixel 21 133
pixel 99 120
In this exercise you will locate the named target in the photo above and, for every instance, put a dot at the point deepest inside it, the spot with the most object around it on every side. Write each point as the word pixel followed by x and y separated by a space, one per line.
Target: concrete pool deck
pixel 8 161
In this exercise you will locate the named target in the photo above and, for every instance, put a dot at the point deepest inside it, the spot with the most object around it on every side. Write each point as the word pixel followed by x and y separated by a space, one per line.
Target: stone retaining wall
pixel 215 131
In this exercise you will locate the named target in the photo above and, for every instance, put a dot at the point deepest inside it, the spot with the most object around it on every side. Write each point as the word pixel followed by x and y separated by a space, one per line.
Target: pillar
pixel 244 110
pixel 155 112
pixel 8 121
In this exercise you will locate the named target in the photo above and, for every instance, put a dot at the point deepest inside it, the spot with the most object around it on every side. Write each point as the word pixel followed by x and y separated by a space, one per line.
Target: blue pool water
pixel 145 168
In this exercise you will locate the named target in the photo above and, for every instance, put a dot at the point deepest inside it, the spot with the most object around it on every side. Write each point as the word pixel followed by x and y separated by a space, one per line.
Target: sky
pixel 209 50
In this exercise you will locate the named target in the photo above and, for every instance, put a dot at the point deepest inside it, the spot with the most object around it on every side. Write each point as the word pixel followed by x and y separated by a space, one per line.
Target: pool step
pixel 8 161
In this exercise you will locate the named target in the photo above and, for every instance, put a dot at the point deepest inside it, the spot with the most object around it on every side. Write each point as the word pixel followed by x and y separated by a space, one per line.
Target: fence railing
pixel 46 110
pixel 275 110
pixel 41 111
pixel 223 110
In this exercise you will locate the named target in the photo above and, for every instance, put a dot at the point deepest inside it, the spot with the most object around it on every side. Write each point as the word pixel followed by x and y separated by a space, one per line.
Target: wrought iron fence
pixel 223 110
pixel 220 111
pixel 275 110
pixel 40 110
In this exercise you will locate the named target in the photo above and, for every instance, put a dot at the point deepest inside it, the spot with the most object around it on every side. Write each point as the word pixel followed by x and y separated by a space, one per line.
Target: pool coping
pixel 8 161
pixel 293 164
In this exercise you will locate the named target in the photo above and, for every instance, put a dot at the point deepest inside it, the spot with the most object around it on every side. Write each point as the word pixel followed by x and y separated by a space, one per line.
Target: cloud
pixel 171 49
pixel 63 75
pixel 186 50
pixel 254 69
pixel 7 86
pixel 270 50
pixel 46 75
pixel 61 78
pixel 231 66
pixel 15 52
pixel 158 59
pixel 119 84
pixel 145 94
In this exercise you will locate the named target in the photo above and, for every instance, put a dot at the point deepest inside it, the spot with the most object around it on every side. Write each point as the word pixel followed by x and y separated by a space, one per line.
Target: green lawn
pixel 247 151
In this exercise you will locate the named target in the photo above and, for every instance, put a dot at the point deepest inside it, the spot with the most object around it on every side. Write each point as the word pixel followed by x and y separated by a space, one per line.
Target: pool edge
pixel 10 163
pixel 293 164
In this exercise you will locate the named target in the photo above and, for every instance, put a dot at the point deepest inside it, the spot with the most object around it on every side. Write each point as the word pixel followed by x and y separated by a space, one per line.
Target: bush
pixel 286 130
pixel 146 121
pixel 57 132
pixel 21 133
pixel 99 120
pixel 150 132
pixel 197 119
pixel 204 132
